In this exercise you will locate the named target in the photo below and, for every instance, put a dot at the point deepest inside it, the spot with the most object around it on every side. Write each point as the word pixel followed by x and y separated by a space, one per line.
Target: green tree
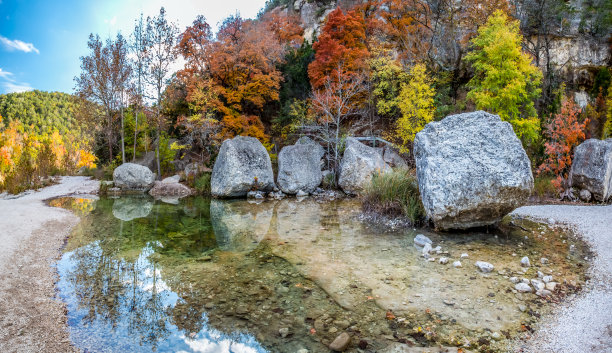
pixel 416 102
pixel 505 81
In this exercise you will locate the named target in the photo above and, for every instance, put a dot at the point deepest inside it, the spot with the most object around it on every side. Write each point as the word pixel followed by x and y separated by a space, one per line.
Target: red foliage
pixel 565 133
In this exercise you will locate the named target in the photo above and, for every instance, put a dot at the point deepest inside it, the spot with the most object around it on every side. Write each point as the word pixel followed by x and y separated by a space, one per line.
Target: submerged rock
pixel 421 240
pixel 592 168
pixel 299 167
pixel 240 226
pixel 358 165
pixel 472 170
pixel 341 343
pixel 243 164
pixel 133 177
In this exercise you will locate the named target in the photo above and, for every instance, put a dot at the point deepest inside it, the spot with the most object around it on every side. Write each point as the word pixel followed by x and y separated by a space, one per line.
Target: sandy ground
pixel 32 319
pixel 584 324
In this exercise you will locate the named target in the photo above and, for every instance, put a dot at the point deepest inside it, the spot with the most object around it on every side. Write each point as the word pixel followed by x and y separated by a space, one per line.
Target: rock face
pixel 358 165
pixel 133 177
pixel 243 164
pixel 592 168
pixel 472 170
pixel 299 167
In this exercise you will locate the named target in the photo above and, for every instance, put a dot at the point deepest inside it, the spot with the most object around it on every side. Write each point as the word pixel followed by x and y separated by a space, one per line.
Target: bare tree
pixel 162 36
pixel 120 75
pixel 139 46
pixel 96 84
pixel 343 97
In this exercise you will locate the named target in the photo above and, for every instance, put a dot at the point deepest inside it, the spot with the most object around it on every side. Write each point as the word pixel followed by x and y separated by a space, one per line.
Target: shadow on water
pixel 233 276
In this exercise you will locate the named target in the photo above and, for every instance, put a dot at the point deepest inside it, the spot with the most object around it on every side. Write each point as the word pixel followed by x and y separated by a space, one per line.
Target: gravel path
pixel 585 323
pixel 31 234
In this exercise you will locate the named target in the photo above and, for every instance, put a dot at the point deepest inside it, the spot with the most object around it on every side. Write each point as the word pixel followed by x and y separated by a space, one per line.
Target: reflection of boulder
pixel 130 208
pixel 239 225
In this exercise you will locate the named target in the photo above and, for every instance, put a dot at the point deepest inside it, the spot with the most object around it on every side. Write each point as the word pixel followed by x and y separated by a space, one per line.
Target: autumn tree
pixel 416 102
pixel 162 35
pixel 121 71
pixel 607 129
pixel 505 81
pixel 387 77
pixel 139 45
pixel 564 133
pixel 342 42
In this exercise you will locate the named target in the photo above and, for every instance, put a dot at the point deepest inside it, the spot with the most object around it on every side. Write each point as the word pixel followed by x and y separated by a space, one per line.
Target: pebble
pixel 525 262
pixel 547 279
pixel 522 307
pixel 551 286
pixel 514 280
pixel 484 267
pixel 544 261
pixel 443 260
pixel 283 332
pixel 544 293
pixel 464 256
pixel 448 302
pixel 332 330
pixel 343 324
pixel 523 287
pixel 341 343
pixel 426 250
pixel 496 336
pixel 421 240
pixel 457 264
pixel 537 284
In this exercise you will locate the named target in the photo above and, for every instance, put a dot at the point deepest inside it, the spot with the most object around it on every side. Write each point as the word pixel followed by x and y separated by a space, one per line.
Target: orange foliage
pixel 565 133
pixel 342 42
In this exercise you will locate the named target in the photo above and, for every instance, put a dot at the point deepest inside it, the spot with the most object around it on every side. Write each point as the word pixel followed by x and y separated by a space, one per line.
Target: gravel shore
pixel 583 324
pixel 32 319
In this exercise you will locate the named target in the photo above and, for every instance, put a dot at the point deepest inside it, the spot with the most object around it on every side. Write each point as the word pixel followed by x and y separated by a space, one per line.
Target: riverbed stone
pixel 133 177
pixel 358 165
pixel 243 164
pixel 523 287
pixel 299 167
pixel 525 262
pixel 341 343
pixel 421 240
pixel 592 168
pixel 472 170
pixel 484 267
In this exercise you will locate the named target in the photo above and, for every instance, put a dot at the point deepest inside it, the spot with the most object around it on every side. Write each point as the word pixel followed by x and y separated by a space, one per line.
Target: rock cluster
pixel 472 170
pixel 592 169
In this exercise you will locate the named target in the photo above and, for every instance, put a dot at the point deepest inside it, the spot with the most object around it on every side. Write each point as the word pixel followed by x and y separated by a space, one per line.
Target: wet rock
pixel 255 195
pixel 343 324
pixel 522 307
pixel 332 330
pixel 303 350
pixel 426 250
pixel 523 288
pixel 421 240
pixel 472 170
pixel 319 325
pixel 243 164
pixel 283 332
pixel 457 264
pixel 133 177
pixel 592 168
pixel 496 336
pixel 299 167
pixel 484 267
pixel 358 165
pixel 525 262
pixel 341 343
pixel 130 208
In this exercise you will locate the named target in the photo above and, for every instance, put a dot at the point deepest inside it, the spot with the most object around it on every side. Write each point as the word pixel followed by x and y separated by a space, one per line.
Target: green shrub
pixel 544 188
pixel 202 184
pixel 395 194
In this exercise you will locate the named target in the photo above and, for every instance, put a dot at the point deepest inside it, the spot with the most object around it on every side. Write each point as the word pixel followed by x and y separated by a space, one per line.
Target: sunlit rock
pixel 133 177
pixel 299 167
pixel 359 164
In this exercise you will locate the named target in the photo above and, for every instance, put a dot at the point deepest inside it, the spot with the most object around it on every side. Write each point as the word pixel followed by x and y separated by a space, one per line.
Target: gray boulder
pixel 472 170
pixel 358 165
pixel 243 164
pixel 133 177
pixel 147 160
pixel 592 168
pixel 163 189
pixel 130 208
pixel 299 167
pixel 393 158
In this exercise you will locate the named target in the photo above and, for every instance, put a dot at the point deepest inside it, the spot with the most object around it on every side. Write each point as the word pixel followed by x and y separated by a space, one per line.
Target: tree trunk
pixel 122 131
pixel 135 134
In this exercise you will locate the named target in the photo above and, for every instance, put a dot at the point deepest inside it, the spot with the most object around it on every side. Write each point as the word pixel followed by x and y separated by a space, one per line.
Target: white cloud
pixel 18 45
pixel 112 21
pixel 10 85
pixel 5 74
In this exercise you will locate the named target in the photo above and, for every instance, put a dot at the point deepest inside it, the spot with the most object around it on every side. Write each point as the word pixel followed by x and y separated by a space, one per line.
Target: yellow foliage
pixel 416 102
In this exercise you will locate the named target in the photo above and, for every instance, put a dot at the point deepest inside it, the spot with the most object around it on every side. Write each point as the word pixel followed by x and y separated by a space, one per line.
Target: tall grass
pixel 395 194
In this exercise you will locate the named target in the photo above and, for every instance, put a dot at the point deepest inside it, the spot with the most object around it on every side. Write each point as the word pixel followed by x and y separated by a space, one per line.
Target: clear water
pixel 233 276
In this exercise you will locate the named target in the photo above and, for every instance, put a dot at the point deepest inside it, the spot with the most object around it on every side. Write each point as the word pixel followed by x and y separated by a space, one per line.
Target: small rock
pixel 421 240
pixel 426 250
pixel 537 284
pixel 341 343
pixel 544 261
pixel 547 279
pixel 484 267
pixel 303 350
pixel 301 193
pixel 522 307
pixel 551 286
pixel 443 260
pixel 540 274
pixel 523 288
pixel 544 293
pixel 343 324
pixel 514 280
pixel 525 262
pixel 585 195
pixel 496 336
pixel 464 256
pixel 448 302
pixel 283 332
pixel 457 264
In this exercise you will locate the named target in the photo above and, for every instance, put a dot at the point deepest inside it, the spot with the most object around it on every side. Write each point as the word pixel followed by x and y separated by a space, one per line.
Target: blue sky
pixel 41 40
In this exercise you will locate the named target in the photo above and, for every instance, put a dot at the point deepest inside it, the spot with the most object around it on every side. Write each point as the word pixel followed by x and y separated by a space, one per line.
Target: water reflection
pixel 232 276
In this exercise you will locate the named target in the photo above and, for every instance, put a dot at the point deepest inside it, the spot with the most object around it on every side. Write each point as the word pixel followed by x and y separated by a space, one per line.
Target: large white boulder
pixel 243 164
pixel 472 170
pixel 358 165
pixel 133 177
pixel 299 167
pixel 592 168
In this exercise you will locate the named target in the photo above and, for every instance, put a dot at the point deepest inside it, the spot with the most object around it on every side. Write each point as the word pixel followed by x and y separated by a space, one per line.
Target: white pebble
pixel 457 264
